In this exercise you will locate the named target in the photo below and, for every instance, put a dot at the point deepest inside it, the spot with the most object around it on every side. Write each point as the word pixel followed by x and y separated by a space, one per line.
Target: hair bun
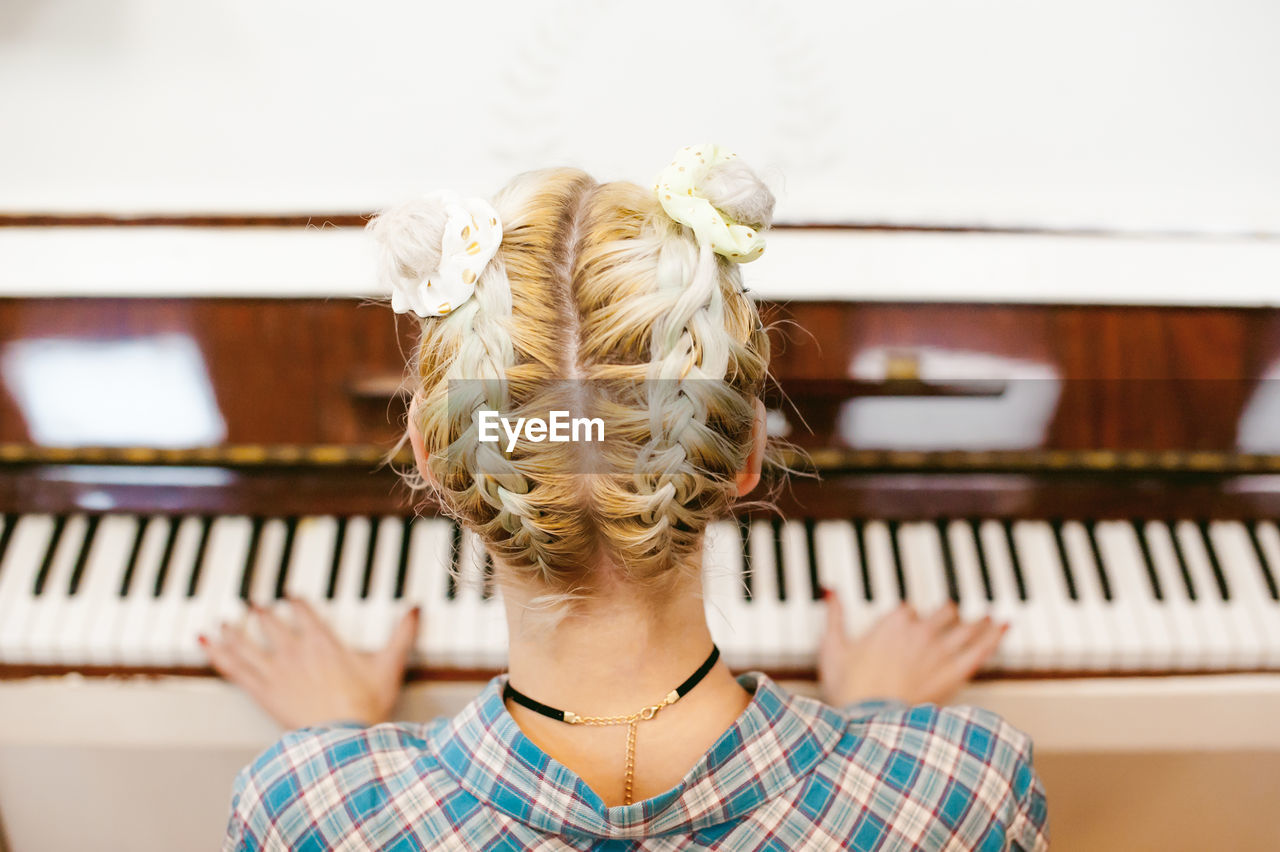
pixel 723 201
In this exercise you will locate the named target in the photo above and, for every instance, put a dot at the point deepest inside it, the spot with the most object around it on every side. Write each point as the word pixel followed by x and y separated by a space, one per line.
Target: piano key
pixel 1125 565
pixel 379 603
pixel 1027 643
pixel 800 629
pixel 1045 585
pixel 345 609
pixel 311 560
pixel 840 570
pixel 1251 601
pixel 173 607
pixel 766 605
pixel 50 605
pixel 878 551
pixel 1268 537
pixel 142 602
pixel 268 561
pixel 467 604
pixel 925 576
pixel 430 540
pixel 724 592
pixel 96 604
pixel 972 602
pixel 1108 627
pixel 493 617
pixel 218 599
pixel 23 558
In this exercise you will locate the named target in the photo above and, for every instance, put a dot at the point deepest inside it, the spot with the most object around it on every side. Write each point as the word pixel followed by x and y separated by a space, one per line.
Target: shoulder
pixel 318 769
pixel 968 766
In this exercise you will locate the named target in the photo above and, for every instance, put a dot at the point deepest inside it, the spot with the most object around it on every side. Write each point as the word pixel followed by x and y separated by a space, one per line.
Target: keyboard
pixel 102 592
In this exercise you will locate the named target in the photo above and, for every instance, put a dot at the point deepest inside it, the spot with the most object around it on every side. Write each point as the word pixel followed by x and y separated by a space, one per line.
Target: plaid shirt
pixel 791 773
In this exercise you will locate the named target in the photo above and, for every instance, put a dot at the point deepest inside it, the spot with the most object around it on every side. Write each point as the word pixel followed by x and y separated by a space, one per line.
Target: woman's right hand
pixel 903 656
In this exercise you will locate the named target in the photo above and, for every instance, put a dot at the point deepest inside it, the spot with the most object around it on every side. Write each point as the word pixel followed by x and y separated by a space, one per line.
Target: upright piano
pixel 1105 478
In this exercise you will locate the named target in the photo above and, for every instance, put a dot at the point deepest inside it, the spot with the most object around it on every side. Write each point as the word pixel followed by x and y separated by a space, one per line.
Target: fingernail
pixel 827 594
pixel 416 611
pixel 203 640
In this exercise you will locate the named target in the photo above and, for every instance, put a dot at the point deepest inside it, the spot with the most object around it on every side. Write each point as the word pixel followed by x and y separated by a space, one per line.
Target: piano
pixel 1105 478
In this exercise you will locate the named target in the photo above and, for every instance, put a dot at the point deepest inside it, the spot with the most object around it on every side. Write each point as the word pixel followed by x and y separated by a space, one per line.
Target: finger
pixel 944 617
pixel 278 634
pixel 232 660
pixel 395 654
pixel 834 631
pixel 960 635
pixel 966 662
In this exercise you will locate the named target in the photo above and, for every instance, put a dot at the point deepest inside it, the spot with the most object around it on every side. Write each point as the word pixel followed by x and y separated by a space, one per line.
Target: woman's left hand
pixel 304 675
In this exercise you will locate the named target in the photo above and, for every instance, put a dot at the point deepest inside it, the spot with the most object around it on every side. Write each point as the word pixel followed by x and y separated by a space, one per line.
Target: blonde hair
pixel 594 284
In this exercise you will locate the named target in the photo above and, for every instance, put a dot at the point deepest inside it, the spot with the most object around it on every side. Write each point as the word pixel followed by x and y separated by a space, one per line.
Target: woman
pixel 616 726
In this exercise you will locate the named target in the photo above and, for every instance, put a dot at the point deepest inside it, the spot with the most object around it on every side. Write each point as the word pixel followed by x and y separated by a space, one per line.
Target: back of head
pixel 596 291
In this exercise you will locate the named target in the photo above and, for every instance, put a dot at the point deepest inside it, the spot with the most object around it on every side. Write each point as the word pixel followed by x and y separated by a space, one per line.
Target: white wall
pixel 1120 114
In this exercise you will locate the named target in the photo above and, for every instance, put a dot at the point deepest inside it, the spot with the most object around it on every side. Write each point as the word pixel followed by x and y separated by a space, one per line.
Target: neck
pixel 612 654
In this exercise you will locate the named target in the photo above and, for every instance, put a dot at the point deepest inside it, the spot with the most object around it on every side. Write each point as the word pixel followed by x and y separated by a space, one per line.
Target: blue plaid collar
pixel 777 740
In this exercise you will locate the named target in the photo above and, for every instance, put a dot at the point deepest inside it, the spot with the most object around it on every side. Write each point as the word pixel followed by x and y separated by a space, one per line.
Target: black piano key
pixel 858 530
pixel 948 563
pixel 251 560
pixel 1104 580
pixel 131 566
pixel 1182 564
pixel 166 558
pixel 1152 577
pixel 91 529
pixel 744 539
pixel 776 525
pixel 336 565
pixel 1072 591
pixel 402 569
pixel 983 568
pixel 59 522
pixel 10 521
pixel 1218 576
pixel 206 523
pixel 282 575
pixel 894 526
pixel 1018 579
pixel 455 552
pixel 1268 571
pixel 815 584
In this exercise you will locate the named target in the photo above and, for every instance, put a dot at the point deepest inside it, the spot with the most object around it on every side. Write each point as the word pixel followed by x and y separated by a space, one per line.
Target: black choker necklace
pixel 630 720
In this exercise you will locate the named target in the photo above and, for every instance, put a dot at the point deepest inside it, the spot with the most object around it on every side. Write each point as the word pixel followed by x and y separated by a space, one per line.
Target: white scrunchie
pixel 472 234
pixel 677 191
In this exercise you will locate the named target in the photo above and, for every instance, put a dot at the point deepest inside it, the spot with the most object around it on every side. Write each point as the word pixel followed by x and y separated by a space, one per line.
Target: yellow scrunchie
pixel 677 191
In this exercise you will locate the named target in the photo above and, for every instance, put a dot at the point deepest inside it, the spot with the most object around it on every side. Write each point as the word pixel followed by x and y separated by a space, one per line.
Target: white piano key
pixel 430 541
pixel 724 592
pixel 840 570
pixel 800 626
pixel 766 606
pixel 1027 641
pixel 1105 626
pixel 1246 648
pixel 1268 535
pixel 311 560
pixel 493 626
pixel 141 603
pixel 378 606
pixel 1201 643
pixel 973 603
pixel 922 566
pixel 347 608
pixel 173 608
pixel 1047 591
pixel 218 595
pixel 22 561
pixel 49 611
pixel 97 602
pixel 1131 591
pixel 878 551
pixel 1250 601
pixel 468 603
